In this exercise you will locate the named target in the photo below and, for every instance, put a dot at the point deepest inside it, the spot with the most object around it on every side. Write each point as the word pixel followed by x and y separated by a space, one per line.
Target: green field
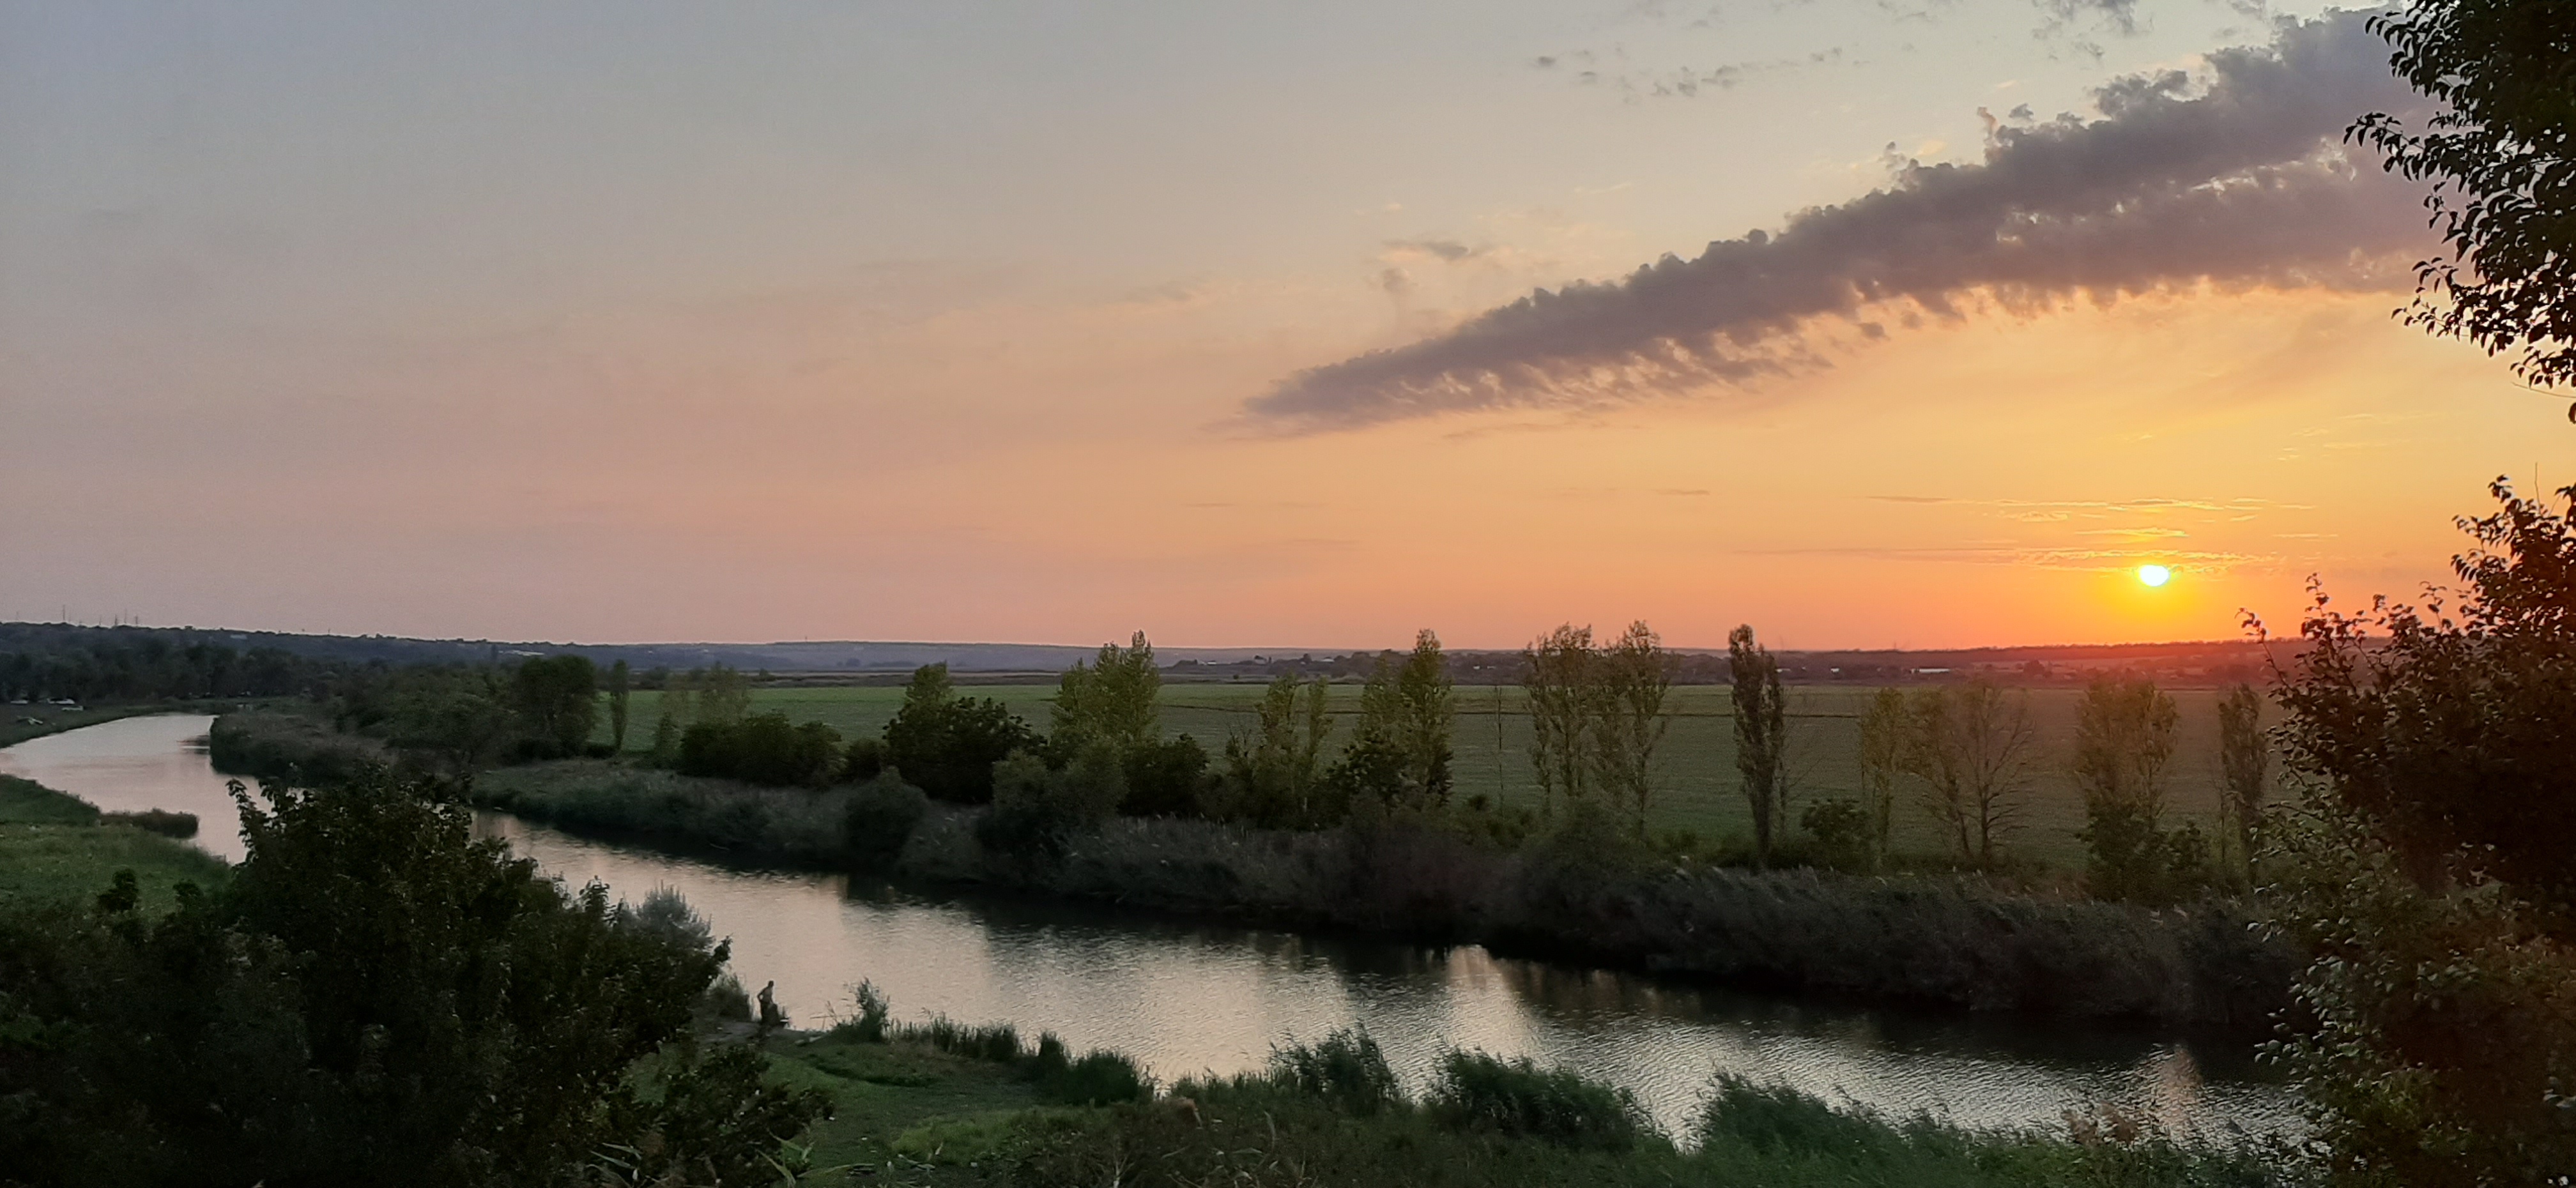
pixel 53 850
pixel 1698 789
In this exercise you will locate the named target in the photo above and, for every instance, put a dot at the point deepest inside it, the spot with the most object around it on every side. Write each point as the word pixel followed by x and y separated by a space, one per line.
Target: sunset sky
pixel 848 319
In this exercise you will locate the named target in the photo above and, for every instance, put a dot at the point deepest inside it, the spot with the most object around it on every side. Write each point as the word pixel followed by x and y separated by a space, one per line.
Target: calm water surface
pixel 1188 997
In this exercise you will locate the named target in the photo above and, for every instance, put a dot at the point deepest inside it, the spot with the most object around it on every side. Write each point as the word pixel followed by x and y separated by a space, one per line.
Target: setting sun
pixel 2154 575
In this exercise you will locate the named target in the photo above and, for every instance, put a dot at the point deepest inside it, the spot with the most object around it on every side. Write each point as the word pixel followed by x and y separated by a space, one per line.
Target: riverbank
pixel 58 848
pixel 963 1106
pixel 18 723
pixel 1948 941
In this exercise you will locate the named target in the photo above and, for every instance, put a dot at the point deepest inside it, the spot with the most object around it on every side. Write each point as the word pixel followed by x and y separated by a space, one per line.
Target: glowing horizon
pixel 835 324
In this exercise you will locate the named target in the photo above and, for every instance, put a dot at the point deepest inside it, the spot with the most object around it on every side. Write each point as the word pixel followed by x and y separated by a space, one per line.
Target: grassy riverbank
pixel 1947 940
pixel 18 723
pixel 57 848
pixel 911 1111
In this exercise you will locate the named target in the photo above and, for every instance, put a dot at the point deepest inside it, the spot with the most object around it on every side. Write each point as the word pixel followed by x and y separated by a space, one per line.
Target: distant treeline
pixel 40 662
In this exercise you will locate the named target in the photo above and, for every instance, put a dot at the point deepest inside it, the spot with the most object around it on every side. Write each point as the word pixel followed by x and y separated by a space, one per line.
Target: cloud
pixel 1445 250
pixel 2237 178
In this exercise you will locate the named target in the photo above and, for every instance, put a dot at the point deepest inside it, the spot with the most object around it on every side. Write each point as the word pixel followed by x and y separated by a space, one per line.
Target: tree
pixel 2499 153
pixel 557 699
pixel 2124 741
pixel 460 717
pixel 618 682
pixel 1109 701
pixel 946 745
pixel 2244 764
pixel 2431 864
pixel 1636 674
pixel 1972 748
pixel 375 998
pixel 1273 775
pixel 1761 737
pixel 1403 736
pixel 1885 730
pixel 720 694
pixel 1164 778
pixel 762 749
pixel 1558 670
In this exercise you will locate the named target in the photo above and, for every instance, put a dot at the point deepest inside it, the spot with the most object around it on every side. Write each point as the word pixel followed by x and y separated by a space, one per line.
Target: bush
pixel 1164 779
pixel 795 825
pixel 726 999
pixel 998 1043
pixel 1100 1078
pixel 1345 1068
pixel 1843 831
pixel 160 821
pixel 1036 812
pixel 2129 858
pixel 1517 1097
pixel 762 749
pixel 864 760
pixel 283 746
pixel 947 745
pixel 373 998
pixel 882 815
pixel 869 1025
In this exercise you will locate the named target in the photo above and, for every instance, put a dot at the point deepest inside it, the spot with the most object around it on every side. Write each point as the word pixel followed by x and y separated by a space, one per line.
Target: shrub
pixel 869 1025
pixel 292 747
pixel 883 813
pixel 1843 829
pixel 1517 1097
pixel 1345 1068
pixel 700 813
pixel 1100 1078
pixel 995 1042
pixel 947 745
pixel 160 821
pixel 1164 779
pixel 762 749
pixel 726 999
pixel 865 758
pixel 1036 812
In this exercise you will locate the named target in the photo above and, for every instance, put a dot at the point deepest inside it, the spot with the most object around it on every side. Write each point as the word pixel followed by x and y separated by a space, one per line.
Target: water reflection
pixel 1186 997
pixel 133 764
pixel 1189 997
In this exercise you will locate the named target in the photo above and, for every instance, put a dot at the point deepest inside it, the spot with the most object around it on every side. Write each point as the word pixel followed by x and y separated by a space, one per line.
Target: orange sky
pixel 774 355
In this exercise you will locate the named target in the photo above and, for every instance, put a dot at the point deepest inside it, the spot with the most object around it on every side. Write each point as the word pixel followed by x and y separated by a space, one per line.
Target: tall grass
pixel 790 824
pixel 1518 1098
pixel 278 745
pixel 1504 1124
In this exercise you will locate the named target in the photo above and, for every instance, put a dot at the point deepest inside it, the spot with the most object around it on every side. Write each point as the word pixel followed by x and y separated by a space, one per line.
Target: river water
pixel 1189 997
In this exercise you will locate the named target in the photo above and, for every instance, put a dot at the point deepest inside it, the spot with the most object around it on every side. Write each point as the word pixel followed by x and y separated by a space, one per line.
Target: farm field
pixel 1697 790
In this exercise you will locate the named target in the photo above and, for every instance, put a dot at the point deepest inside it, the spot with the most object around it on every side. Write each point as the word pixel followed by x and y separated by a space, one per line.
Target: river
pixel 1189 997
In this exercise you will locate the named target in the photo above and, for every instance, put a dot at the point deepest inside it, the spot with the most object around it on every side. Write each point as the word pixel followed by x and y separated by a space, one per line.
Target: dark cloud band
pixel 2237 178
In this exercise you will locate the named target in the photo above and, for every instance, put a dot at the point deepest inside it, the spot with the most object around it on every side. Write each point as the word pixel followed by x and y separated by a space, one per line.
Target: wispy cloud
pixel 2237 178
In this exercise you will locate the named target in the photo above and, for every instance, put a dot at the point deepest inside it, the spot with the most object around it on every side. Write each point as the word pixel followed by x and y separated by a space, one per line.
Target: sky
pixel 1867 322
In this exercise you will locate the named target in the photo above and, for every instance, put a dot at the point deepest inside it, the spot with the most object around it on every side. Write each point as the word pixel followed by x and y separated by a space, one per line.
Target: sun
pixel 2154 575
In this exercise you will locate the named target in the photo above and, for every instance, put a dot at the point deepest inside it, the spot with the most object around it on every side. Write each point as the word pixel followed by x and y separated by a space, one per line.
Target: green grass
pixel 1697 788
pixel 72 863
pixel 26 802
pixel 53 849
pixel 907 1092
pixel 15 729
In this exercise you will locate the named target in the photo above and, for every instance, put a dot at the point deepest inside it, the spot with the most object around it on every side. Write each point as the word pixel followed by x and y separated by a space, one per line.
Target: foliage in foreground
pixel 2433 868
pixel 372 998
pixel 1487 1121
